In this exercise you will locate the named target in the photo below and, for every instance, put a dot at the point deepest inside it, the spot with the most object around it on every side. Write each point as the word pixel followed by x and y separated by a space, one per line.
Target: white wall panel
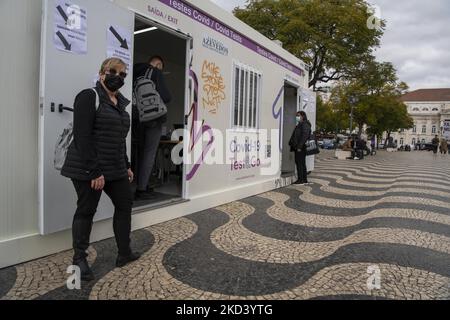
pixel 20 22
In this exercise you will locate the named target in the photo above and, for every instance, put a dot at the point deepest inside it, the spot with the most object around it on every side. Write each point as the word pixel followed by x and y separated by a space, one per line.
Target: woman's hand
pixel 98 184
pixel 130 175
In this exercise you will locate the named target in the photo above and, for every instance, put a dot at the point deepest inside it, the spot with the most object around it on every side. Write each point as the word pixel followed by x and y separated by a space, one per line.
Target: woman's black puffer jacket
pixel 99 145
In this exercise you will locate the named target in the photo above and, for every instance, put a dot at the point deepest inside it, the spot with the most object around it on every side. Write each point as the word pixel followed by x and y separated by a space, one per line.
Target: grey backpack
pixel 66 138
pixel 147 99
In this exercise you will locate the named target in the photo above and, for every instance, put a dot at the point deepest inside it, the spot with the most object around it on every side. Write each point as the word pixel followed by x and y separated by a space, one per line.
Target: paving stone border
pixel 299 242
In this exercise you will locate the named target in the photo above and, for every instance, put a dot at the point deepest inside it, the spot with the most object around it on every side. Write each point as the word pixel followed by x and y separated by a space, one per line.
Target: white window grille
pixel 246 97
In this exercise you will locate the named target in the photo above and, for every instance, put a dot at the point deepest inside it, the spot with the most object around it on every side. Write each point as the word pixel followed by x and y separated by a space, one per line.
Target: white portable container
pixel 235 96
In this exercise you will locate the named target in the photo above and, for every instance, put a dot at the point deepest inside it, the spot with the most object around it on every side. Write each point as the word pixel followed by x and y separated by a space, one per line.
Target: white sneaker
pixel 356 158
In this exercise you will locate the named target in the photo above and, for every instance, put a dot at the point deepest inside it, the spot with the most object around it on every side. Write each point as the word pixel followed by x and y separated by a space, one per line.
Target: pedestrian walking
pixel 444 146
pixel 97 161
pixel 435 142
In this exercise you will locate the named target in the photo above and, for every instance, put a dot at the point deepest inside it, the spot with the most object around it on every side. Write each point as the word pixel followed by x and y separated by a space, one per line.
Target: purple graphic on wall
pixel 197 131
pixel 210 22
pixel 278 115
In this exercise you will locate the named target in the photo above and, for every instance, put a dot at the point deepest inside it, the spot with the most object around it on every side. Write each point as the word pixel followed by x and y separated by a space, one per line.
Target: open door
pixel 77 36
pixel 290 108
pixel 167 183
pixel 308 102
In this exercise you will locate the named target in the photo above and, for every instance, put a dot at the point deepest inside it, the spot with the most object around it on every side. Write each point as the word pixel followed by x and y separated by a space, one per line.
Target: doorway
pixel 166 184
pixel 289 111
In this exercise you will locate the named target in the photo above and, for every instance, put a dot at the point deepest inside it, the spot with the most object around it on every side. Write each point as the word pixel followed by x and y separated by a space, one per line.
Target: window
pixel 416 109
pixel 247 88
pixel 424 129
pixel 414 129
pixel 425 109
pixel 435 109
pixel 423 140
pixel 433 129
pixel 401 141
pixel 413 141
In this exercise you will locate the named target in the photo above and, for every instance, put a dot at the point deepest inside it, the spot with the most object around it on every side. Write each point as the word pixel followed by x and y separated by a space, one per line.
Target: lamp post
pixel 353 101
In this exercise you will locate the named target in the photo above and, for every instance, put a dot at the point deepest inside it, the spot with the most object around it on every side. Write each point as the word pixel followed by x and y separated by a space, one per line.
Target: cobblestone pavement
pixel 388 215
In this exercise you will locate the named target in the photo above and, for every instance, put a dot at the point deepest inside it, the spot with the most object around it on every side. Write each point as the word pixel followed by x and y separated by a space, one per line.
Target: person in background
pixel 149 134
pixel 97 161
pixel 348 145
pixel 297 143
pixel 360 147
pixel 444 146
pixel 435 142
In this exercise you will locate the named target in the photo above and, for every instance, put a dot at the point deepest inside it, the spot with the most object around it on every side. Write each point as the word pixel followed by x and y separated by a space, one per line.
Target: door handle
pixel 62 108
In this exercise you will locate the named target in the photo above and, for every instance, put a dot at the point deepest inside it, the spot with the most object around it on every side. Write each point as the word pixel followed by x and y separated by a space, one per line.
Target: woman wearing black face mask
pixel 297 143
pixel 97 161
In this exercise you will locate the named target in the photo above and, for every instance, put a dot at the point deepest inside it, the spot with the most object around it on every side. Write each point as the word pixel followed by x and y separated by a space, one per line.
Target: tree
pixel 378 99
pixel 332 36
pixel 330 119
pixel 392 116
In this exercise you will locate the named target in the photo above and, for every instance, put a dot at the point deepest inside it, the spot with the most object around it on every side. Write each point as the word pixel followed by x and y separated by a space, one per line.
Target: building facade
pixel 430 110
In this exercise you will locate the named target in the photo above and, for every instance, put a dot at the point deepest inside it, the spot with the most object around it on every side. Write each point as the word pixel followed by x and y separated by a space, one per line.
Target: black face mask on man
pixel 114 82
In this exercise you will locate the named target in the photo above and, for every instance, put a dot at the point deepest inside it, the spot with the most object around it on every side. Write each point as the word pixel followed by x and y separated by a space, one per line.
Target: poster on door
pixel 70 32
pixel 119 44
pixel 307 101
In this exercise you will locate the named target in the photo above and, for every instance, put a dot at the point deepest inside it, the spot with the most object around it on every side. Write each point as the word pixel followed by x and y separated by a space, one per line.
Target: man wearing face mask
pixel 297 142
pixel 97 161
pixel 148 134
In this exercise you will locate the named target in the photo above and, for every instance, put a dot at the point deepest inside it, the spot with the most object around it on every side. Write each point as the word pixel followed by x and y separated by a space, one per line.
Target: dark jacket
pixel 158 78
pixel 300 136
pixel 99 145
pixel 435 141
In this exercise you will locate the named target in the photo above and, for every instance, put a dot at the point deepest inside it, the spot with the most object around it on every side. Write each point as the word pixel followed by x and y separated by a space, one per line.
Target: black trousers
pixel 121 195
pixel 359 153
pixel 300 161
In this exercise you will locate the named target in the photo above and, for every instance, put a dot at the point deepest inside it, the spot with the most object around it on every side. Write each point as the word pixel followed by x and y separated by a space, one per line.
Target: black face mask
pixel 114 82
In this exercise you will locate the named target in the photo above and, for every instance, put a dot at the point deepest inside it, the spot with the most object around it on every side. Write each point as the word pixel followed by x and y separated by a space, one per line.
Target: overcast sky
pixel 417 39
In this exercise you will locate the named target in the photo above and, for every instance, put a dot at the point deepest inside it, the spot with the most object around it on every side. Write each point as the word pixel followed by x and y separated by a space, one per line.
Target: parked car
pixel 328 144
pixel 406 148
pixel 426 147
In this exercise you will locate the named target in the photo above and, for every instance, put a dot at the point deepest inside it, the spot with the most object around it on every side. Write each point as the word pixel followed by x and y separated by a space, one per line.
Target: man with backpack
pixel 149 115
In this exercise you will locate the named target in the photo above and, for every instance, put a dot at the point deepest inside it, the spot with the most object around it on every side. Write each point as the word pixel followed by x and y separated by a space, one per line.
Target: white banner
pixel 446 129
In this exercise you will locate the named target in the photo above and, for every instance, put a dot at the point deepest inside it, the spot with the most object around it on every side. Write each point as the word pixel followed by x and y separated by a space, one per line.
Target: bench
pixel 343 155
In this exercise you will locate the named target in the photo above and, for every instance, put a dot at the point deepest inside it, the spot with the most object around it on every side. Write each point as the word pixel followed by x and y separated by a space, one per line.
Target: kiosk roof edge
pixel 212 9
